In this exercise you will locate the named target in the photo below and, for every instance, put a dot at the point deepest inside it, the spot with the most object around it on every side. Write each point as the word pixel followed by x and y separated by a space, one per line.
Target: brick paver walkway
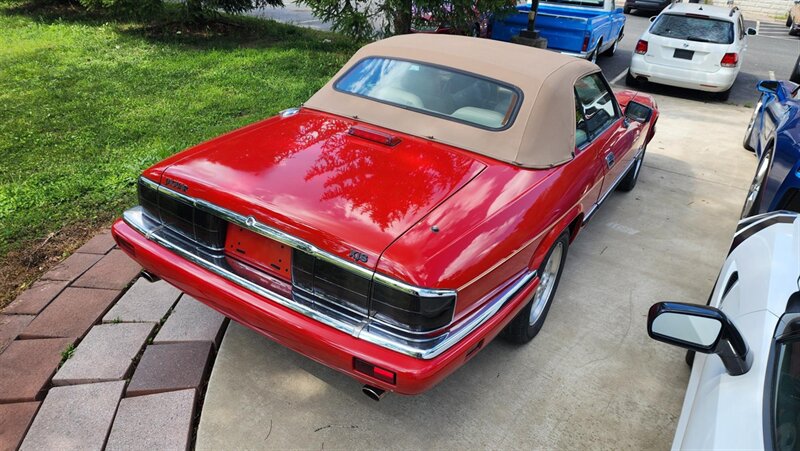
pixel 79 368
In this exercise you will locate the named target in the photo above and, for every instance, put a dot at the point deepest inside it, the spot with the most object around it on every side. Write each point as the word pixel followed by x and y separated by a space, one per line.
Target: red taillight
pixel 374 135
pixel 730 60
pixel 641 47
pixel 586 43
pixel 374 371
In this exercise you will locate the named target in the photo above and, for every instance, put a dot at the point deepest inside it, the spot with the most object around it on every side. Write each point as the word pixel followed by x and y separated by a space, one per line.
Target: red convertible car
pixel 417 206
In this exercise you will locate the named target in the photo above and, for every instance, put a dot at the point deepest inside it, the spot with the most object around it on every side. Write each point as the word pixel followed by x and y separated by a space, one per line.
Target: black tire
pixel 795 77
pixel 521 329
pixel 724 95
pixel 689 358
pixel 613 49
pixel 631 81
pixel 627 9
pixel 629 182
pixel 748 135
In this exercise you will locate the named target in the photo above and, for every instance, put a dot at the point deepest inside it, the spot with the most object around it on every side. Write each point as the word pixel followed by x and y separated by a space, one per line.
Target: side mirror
pixel 702 329
pixel 772 87
pixel 653 18
pixel 752 31
pixel 768 86
pixel 638 112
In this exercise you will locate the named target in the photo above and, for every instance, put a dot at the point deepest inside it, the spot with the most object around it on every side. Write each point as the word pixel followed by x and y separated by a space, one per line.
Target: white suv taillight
pixel 730 60
pixel 641 47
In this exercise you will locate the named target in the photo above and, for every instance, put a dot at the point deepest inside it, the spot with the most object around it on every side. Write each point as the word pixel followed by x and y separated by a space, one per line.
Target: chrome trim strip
pixel 149 182
pixel 367 331
pixel 135 218
pixel 581 55
pixel 614 186
pixel 250 223
pixel 421 292
pixel 460 332
pixel 563 17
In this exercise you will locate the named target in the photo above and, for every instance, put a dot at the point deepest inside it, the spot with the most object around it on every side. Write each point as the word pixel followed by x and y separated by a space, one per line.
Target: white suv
pixel 693 46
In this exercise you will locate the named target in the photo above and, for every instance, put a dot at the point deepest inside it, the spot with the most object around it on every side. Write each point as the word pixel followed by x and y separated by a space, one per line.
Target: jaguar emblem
pixel 176 185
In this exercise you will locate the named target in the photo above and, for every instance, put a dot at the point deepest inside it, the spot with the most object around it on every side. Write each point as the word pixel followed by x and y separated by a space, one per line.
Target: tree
pixel 365 19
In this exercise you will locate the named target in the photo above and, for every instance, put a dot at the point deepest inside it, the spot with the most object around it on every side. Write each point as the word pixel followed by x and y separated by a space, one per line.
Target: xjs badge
pixel 358 256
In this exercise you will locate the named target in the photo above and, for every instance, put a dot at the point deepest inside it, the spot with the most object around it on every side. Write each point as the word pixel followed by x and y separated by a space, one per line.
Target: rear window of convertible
pixel 433 90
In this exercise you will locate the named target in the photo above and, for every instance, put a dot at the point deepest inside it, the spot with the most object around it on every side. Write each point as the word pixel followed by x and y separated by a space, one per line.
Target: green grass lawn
pixel 86 104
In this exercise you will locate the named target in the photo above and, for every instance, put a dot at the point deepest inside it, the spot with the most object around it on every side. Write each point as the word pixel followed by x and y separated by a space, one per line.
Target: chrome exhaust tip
pixel 150 277
pixel 373 393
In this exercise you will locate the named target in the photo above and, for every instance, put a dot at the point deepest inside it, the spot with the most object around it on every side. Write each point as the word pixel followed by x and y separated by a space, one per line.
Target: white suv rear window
pixel 694 28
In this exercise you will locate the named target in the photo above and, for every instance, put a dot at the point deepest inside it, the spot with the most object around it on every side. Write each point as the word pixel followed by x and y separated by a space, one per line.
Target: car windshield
pixel 433 90
pixel 594 3
pixel 693 28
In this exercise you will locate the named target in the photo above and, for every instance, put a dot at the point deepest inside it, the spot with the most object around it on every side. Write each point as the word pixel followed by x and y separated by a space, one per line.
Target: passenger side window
pixel 581 136
pixel 596 105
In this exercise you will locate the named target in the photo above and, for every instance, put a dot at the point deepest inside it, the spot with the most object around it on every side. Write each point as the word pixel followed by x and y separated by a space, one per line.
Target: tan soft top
pixel 541 136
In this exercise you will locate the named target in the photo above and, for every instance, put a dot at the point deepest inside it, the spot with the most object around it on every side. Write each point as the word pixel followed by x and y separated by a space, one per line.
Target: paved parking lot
pixel 768 56
pixel 592 378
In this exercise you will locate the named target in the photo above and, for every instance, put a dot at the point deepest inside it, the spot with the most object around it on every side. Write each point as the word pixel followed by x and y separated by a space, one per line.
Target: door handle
pixel 610 160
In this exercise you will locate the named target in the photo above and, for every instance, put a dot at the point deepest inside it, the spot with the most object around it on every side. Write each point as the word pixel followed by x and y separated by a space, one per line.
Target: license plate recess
pixel 259 251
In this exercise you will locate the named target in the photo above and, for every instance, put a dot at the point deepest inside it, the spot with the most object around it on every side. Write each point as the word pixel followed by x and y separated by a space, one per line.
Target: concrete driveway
pixel 591 379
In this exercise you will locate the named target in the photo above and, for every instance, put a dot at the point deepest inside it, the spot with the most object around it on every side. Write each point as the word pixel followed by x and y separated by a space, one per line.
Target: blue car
pixel 774 135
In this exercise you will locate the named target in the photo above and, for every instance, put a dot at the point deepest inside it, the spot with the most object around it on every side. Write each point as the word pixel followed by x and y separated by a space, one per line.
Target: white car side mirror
pixel 703 329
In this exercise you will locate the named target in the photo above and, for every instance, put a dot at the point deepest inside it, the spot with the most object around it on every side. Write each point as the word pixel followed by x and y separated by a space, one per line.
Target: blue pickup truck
pixel 583 28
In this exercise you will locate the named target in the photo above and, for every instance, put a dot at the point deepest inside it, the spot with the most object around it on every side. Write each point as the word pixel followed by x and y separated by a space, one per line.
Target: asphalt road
pixel 770 55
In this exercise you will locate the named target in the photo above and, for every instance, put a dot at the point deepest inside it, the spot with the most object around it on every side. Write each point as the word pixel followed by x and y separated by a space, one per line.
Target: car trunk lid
pixel 308 175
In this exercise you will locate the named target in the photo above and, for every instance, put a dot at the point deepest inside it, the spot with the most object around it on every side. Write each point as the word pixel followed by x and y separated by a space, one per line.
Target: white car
pixel 747 396
pixel 691 45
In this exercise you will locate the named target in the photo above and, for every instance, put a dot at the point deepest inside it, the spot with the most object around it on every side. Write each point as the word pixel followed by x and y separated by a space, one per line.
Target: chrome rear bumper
pixel 422 347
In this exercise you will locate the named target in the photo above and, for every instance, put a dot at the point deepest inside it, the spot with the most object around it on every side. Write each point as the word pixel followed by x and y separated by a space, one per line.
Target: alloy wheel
pixel 748 134
pixel 756 186
pixel 547 282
